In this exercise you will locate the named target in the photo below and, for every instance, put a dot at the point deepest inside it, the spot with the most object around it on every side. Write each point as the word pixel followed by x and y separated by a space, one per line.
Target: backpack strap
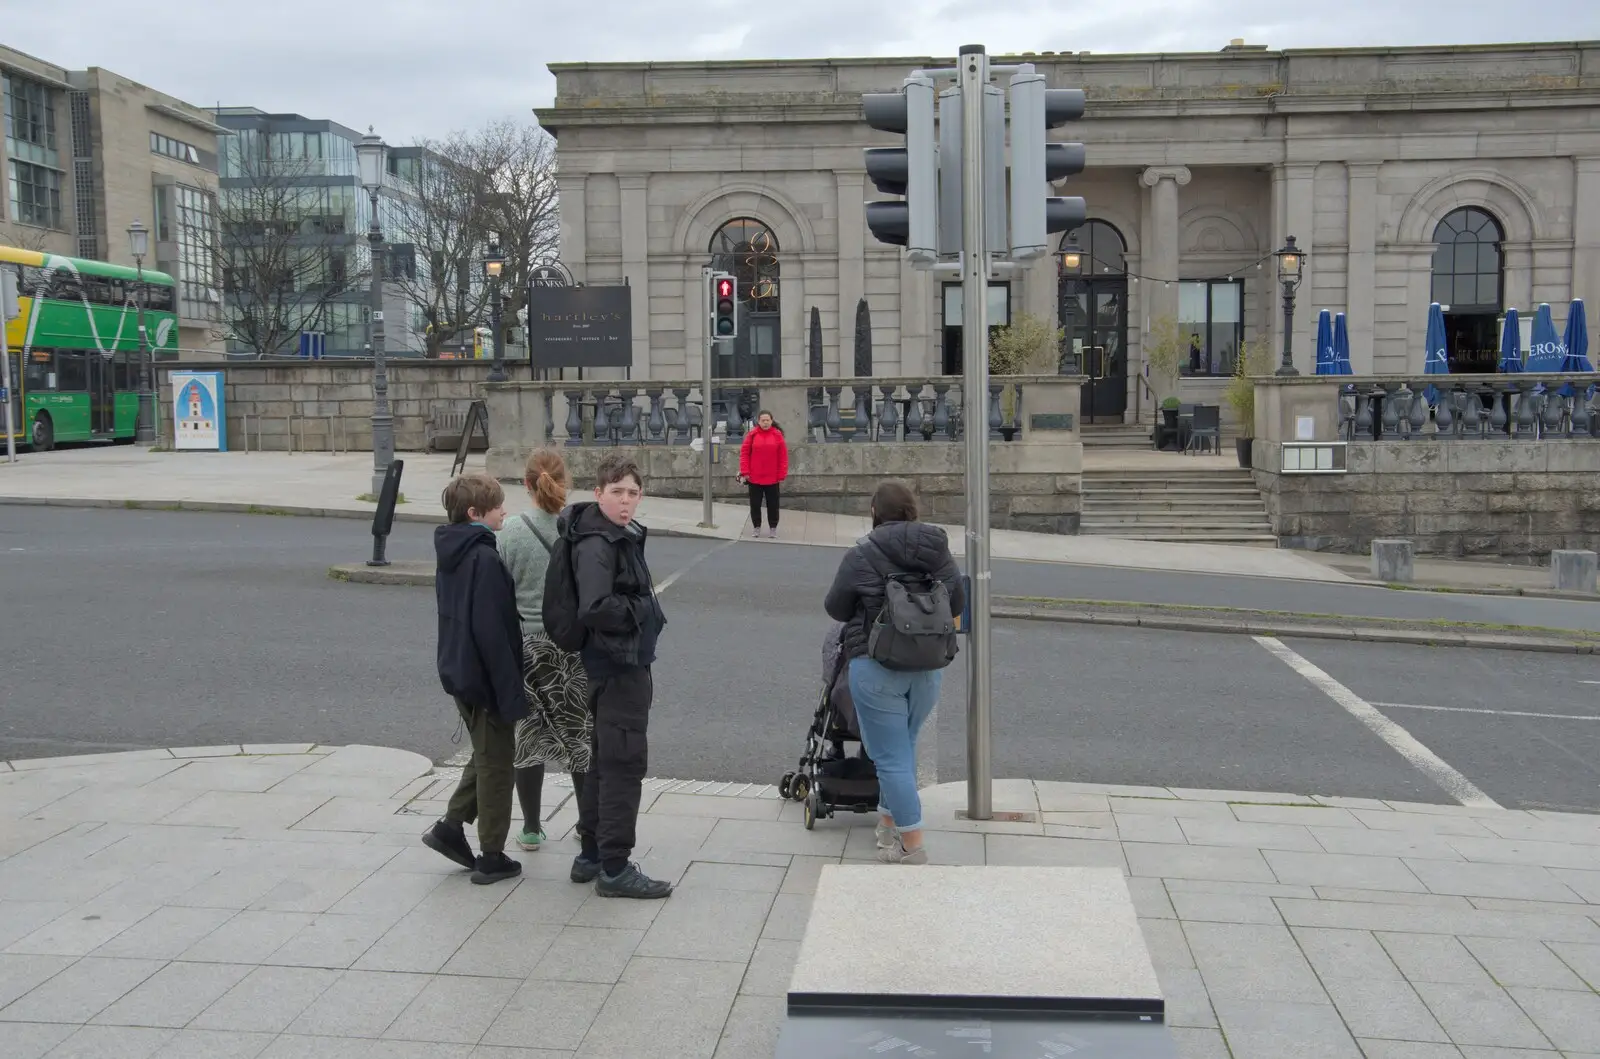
pixel 548 547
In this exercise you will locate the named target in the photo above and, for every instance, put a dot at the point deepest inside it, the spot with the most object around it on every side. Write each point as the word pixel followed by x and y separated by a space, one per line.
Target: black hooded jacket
pixel 616 594
pixel 894 547
pixel 480 635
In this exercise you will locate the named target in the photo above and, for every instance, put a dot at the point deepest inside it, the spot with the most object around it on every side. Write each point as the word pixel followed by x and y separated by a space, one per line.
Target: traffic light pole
pixel 706 520
pixel 973 74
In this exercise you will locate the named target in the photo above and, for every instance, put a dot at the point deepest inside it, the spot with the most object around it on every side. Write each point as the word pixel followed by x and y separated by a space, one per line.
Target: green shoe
pixel 530 840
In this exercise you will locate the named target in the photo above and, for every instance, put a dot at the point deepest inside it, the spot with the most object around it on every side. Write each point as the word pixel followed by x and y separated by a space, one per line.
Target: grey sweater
pixel 527 559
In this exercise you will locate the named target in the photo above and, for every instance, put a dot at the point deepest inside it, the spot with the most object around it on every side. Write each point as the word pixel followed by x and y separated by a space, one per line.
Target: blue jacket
pixel 480 636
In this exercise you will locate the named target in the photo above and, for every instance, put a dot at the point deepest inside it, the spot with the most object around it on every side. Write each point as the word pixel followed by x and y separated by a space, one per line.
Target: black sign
pixel 580 327
pixel 1050 421
pixel 551 275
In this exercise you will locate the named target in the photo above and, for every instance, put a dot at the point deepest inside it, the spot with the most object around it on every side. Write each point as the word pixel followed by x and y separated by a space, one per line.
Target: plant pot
pixel 1244 447
pixel 1169 418
pixel 1008 432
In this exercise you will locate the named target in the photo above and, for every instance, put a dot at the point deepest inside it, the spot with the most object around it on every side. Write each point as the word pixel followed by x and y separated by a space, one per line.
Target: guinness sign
pixel 554 274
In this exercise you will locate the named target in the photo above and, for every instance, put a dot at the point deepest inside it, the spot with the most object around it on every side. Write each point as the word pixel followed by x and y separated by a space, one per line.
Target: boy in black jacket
pixel 480 666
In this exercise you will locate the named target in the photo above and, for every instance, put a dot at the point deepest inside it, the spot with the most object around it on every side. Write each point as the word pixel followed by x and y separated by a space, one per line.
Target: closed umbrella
pixel 1341 347
pixel 1325 354
pixel 1577 339
pixel 1438 360
pixel 1511 344
pixel 1545 352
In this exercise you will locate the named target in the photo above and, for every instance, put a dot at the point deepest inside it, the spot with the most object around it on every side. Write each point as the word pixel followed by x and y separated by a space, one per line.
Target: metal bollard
pixel 383 518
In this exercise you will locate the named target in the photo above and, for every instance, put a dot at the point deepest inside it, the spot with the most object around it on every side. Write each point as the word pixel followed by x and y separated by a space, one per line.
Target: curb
pixel 1363 634
pixel 1527 593
pixel 289 510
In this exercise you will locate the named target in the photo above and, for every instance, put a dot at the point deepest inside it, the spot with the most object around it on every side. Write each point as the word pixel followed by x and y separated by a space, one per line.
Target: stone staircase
pixel 1115 435
pixel 1201 506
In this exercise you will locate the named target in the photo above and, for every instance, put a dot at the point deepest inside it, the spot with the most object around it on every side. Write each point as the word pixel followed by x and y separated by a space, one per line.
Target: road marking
pixel 1497 713
pixel 1403 742
pixel 672 578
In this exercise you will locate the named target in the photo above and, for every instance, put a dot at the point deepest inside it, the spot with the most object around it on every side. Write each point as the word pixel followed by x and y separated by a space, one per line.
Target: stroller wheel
pixel 784 785
pixel 811 812
pixel 800 788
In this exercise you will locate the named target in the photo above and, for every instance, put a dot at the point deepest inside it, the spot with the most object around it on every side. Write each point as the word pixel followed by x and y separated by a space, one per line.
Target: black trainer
pixel 585 870
pixel 448 839
pixel 493 867
pixel 631 882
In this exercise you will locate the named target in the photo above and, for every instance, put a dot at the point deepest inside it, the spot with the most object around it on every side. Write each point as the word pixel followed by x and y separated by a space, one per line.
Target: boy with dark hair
pixel 480 666
pixel 622 618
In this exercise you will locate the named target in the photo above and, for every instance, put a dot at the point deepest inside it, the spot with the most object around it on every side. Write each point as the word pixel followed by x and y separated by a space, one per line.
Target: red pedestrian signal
pixel 724 309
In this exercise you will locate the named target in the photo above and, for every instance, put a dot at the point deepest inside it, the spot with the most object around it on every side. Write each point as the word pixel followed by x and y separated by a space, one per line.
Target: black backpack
pixel 560 608
pixel 915 631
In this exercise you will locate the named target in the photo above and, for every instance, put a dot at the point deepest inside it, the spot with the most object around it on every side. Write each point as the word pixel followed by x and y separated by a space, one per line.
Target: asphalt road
pixel 127 629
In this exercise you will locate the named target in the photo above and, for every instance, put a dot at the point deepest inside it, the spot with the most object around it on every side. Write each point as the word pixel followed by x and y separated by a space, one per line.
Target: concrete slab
pixel 991 939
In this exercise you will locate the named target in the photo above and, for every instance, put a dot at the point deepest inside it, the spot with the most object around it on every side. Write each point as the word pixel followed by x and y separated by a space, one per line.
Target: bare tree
pixel 456 197
pixel 283 249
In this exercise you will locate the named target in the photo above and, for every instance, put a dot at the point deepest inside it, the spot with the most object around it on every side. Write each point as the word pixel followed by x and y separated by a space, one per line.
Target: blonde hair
pixel 471 492
pixel 546 479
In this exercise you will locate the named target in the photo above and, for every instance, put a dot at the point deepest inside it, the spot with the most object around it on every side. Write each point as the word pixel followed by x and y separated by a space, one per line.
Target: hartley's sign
pixel 580 327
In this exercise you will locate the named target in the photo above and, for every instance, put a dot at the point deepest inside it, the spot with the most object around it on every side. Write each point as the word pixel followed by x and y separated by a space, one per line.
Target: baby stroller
pixel 827 779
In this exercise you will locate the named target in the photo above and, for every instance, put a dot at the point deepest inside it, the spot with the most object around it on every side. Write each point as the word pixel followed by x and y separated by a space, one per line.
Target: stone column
pixel 574 227
pixel 1362 234
pixel 852 259
pixel 636 262
pixel 1160 251
pixel 1586 244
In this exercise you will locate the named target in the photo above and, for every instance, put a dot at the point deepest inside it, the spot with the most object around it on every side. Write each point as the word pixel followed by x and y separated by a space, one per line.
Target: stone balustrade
pixel 1485 407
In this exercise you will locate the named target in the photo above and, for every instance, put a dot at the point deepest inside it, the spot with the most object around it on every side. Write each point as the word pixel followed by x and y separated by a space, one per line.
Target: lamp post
pixel 372 159
pixel 1071 264
pixel 1291 262
pixel 494 262
pixel 144 431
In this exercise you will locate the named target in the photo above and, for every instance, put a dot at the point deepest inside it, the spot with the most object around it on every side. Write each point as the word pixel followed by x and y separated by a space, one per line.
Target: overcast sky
pixel 427 67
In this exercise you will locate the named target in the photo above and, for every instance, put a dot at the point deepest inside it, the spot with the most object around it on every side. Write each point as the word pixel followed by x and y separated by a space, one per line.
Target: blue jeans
pixel 891 707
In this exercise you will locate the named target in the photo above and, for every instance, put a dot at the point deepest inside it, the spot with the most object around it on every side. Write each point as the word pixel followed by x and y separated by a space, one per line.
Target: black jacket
pixel 480 635
pixel 894 547
pixel 616 594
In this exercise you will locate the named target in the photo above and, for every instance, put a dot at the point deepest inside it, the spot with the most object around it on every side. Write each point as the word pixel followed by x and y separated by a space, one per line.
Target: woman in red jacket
pixel 763 463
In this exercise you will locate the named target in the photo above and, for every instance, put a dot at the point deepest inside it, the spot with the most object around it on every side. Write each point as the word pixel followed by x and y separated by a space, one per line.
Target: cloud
pixel 416 68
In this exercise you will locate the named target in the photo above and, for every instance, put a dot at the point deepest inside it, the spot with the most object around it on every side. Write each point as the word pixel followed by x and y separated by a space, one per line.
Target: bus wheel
pixel 44 433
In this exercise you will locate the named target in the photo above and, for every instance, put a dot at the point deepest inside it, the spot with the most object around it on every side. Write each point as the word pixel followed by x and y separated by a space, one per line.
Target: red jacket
pixel 764 456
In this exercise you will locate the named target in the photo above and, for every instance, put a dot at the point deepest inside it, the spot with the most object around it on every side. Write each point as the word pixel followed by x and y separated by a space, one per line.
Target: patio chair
pixel 1205 428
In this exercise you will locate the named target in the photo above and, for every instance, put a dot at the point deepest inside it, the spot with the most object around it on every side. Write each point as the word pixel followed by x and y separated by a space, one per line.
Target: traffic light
pixel 909 171
pixel 724 306
pixel 951 145
pixel 1034 162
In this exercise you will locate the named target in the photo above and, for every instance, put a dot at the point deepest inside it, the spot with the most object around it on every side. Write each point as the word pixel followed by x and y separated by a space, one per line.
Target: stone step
pixel 1110 513
pixel 1264 540
pixel 1154 490
pixel 1165 526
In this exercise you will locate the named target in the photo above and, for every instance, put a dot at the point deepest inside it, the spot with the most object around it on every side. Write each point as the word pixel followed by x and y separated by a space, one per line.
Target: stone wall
pixel 333 399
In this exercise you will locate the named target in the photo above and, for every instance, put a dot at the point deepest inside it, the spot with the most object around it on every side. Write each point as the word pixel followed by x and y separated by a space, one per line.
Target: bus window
pixel 39 371
pixel 161 299
pixel 72 367
pixel 120 375
pixel 65 286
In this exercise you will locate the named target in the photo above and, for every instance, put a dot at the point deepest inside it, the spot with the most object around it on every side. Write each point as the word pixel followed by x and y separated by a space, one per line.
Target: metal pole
pixel 707 521
pixel 144 431
pixel 382 420
pixel 974 76
pixel 5 385
pixel 497 370
pixel 1287 367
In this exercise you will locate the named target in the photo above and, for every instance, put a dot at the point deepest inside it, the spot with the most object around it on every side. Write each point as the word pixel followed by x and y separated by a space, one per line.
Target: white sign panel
pixel 199 418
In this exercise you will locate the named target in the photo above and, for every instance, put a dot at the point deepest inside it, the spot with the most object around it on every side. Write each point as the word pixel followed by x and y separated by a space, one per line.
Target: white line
pixel 1497 713
pixel 668 581
pixel 1403 742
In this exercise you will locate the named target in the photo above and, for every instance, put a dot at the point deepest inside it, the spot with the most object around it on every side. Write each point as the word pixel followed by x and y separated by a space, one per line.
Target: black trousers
pixel 608 797
pixel 757 493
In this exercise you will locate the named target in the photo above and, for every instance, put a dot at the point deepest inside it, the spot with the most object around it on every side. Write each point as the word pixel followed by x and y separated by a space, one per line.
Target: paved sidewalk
pixel 274 901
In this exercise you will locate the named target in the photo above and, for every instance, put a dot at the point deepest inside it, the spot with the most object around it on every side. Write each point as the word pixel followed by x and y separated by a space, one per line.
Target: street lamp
pixel 1071 258
pixel 144 431
pixel 1291 262
pixel 372 159
pixel 494 262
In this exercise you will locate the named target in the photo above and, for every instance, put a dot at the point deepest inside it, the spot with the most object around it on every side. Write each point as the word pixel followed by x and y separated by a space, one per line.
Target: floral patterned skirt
pixel 557 730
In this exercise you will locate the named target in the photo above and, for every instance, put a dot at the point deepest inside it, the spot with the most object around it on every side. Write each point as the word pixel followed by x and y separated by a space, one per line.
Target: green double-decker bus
pixel 74 348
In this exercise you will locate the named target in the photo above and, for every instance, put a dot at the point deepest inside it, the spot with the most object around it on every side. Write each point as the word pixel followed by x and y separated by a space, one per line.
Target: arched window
pixel 1467 264
pixel 749 250
pixel 1468 280
pixel 1102 250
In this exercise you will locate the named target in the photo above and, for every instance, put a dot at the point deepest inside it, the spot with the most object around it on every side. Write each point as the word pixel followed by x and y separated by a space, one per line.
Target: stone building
pixel 1467 175
pixel 87 152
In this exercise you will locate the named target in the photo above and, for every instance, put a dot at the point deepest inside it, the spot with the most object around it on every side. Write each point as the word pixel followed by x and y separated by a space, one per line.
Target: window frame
pixel 1213 369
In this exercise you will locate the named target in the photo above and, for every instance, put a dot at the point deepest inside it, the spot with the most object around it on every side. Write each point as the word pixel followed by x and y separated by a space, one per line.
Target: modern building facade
pixel 1468 175
pixel 87 152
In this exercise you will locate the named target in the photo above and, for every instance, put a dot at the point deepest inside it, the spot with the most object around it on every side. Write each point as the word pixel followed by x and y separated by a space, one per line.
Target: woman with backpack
pixel 898 591
pixel 557 729
pixel 763 464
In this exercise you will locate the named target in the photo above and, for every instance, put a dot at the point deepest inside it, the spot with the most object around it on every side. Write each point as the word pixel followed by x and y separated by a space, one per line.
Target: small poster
pixel 199 417
pixel 1305 428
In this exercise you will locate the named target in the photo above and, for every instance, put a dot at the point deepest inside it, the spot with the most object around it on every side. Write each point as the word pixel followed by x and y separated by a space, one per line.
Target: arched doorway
pixel 1469 282
pixel 748 249
pixel 1093 287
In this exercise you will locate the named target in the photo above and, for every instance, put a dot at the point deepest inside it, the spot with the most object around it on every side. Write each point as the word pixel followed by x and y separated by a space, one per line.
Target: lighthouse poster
pixel 199 417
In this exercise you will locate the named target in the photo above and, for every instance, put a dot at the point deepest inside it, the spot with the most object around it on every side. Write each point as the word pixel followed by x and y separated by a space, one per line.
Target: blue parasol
pixel 1546 352
pixel 1325 354
pixel 1341 347
pixel 1438 358
pixel 1577 339
pixel 1511 344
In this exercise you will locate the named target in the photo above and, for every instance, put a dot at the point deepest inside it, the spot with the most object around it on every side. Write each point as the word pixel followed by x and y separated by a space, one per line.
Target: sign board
pixel 1050 421
pixel 199 411
pixel 580 327
pixel 554 274
pixel 1321 457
